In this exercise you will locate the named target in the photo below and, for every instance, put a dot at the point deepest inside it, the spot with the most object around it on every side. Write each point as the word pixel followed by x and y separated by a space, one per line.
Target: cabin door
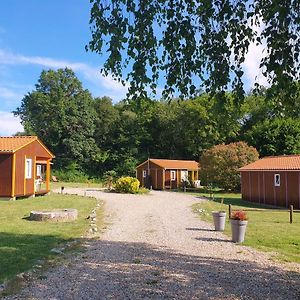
pixel 40 183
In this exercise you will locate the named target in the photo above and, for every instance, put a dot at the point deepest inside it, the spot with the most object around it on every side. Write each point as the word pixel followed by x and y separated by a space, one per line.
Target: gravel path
pixel 154 247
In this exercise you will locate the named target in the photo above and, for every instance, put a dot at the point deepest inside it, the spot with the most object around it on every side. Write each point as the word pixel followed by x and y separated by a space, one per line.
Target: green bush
pixel 72 173
pixel 128 185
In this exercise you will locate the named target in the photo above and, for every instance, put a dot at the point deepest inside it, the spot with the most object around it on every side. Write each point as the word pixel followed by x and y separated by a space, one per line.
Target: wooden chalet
pixel 163 174
pixel 272 180
pixel 24 167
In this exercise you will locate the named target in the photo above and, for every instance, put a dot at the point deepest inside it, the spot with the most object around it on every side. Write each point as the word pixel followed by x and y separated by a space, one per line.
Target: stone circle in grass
pixel 55 215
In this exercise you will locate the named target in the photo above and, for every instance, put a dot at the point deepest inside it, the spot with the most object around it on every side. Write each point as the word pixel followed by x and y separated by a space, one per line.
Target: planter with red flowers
pixel 239 221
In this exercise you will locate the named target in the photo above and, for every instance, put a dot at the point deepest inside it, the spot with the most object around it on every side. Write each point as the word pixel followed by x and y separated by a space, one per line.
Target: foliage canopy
pixel 220 164
pixel 61 113
pixel 91 136
pixel 195 43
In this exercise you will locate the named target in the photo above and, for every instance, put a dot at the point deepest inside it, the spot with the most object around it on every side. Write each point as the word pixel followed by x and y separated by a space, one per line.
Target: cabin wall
pixel 293 191
pixel 159 178
pixel 26 187
pixel 167 179
pixel 156 175
pixel 6 175
pixel 259 187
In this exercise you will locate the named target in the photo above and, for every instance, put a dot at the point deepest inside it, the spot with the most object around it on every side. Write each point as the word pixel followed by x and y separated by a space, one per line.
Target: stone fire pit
pixel 56 215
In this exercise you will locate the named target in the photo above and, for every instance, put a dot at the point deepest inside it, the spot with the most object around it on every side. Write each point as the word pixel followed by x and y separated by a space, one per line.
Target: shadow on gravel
pixel 199 229
pixel 120 270
pixel 205 239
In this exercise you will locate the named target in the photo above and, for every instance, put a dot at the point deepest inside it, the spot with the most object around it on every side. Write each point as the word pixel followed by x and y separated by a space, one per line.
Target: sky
pixel 38 35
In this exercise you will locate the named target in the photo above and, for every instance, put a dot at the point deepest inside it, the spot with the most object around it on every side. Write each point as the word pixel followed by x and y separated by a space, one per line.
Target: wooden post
pixel 13 177
pixel 229 211
pixel 24 183
pixel 291 214
pixel 34 174
pixel 48 175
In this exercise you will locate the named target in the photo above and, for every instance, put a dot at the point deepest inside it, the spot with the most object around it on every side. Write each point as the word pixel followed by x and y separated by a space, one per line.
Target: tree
pixel 191 41
pixel 220 164
pixel 123 145
pixel 61 113
pixel 277 136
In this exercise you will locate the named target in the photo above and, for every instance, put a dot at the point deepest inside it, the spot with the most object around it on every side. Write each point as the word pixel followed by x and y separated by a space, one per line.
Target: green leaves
pixel 183 42
pixel 61 113
pixel 276 137
pixel 220 164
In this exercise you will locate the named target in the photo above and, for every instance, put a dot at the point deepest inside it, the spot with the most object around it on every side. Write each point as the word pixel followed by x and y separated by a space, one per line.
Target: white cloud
pixel 9 124
pixel 253 58
pixel 251 65
pixel 91 74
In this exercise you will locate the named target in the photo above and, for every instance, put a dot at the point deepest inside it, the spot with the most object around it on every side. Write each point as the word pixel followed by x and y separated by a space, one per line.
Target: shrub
pixel 71 174
pixel 220 164
pixel 109 178
pixel 127 185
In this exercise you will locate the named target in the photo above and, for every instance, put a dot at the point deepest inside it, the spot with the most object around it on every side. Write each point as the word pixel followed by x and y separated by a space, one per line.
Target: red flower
pixel 239 215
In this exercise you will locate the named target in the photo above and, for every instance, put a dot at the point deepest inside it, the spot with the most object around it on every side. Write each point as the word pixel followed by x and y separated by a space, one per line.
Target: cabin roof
pixel 11 144
pixel 174 164
pixel 283 162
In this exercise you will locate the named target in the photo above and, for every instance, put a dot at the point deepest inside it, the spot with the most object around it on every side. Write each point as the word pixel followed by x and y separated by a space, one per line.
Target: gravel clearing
pixel 154 247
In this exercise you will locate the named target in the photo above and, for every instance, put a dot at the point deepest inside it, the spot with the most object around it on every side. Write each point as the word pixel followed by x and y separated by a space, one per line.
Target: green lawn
pixel 58 185
pixel 23 243
pixel 269 230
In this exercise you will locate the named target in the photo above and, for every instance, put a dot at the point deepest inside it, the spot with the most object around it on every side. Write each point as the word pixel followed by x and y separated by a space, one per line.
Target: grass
pixel 58 185
pixel 268 230
pixel 24 243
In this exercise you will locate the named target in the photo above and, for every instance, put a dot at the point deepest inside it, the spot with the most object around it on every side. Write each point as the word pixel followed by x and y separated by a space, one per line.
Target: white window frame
pixel 28 168
pixel 173 175
pixel 276 179
pixel 144 173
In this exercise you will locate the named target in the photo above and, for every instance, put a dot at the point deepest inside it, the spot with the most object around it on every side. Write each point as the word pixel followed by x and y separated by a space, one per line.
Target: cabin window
pixel 173 175
pixel 144 173
pixel 28 168
pixel 277 179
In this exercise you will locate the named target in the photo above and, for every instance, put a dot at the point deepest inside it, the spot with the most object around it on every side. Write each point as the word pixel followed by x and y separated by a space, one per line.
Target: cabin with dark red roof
pixel 24 167
pixel 273 181
pixel 161 174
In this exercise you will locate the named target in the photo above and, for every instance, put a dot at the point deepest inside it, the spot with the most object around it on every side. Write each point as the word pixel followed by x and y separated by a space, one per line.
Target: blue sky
pixel 37 35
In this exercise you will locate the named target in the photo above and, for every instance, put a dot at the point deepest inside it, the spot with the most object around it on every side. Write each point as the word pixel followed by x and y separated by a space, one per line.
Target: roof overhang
pixel 270 170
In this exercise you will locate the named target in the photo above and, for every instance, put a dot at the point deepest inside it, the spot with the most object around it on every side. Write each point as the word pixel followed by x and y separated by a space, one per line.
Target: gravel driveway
pixel 154 247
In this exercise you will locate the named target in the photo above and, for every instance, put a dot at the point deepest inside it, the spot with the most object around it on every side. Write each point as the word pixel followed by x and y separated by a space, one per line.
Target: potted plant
pixel 239 221
pixel 219 218
pixel 109 178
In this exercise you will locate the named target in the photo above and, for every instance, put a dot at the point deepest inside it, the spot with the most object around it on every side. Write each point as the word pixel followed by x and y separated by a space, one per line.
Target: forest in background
pixel 91 136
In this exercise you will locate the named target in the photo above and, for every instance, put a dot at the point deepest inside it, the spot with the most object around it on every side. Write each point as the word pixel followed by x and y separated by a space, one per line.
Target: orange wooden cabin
pixel 273 180
pixel 163 174
pixel 24 167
